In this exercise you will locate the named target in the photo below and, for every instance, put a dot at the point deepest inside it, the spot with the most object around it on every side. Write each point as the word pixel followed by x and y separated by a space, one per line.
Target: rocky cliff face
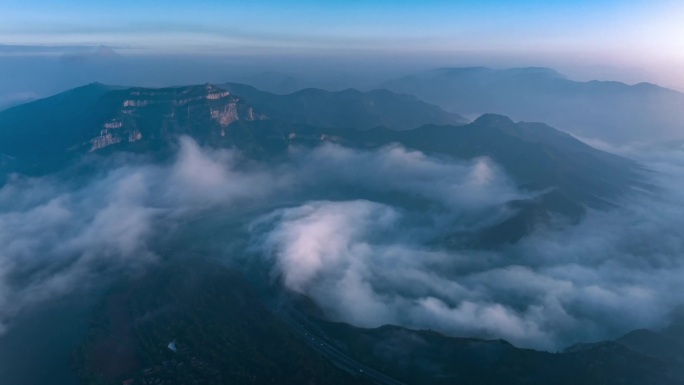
pixel 139 113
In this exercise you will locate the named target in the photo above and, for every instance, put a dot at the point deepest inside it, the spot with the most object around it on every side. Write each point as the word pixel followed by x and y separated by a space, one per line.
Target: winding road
pixel 335 356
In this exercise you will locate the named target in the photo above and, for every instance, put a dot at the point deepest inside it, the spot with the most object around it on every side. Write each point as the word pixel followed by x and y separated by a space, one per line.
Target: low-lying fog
pixel 358 232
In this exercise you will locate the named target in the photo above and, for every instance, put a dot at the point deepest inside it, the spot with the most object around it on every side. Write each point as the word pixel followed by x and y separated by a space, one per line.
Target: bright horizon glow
pixel 639 40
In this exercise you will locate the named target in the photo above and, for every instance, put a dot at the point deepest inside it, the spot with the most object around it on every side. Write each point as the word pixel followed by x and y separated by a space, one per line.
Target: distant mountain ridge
pixel 97 116
pixel 349 108
pixel 613 112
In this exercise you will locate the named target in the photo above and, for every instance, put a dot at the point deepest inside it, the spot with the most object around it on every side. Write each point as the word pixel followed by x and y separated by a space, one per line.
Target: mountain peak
pixel 493 120
pixel 536 71
pixel 95 87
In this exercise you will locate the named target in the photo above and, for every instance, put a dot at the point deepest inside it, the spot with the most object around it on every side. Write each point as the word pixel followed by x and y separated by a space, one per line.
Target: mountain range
pixel 612 112
pixel 189 321
pixel 349 108
pixel 97 117
pixel 567 174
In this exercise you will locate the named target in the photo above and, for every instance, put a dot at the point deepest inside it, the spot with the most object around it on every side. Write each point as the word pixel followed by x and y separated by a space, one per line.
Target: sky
pixel 628 40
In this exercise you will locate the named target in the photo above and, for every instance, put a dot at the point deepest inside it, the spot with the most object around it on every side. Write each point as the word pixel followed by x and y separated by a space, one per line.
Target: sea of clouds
pixel 357 231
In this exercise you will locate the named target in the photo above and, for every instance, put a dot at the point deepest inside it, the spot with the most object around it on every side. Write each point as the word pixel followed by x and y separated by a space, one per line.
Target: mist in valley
pixel 361 233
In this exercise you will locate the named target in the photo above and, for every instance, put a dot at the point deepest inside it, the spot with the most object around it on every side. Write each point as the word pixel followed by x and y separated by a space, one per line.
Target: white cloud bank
pixel 366 263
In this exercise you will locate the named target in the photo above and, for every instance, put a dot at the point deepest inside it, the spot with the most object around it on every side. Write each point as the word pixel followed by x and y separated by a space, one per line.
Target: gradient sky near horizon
pixel 641 36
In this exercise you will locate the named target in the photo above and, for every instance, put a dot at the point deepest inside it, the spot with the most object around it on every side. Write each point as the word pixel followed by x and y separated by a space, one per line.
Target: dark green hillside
pixel 222 330
pixel 537 156
pixel 44 129
pixel 427 357
pixel 564 175
pixel 40 136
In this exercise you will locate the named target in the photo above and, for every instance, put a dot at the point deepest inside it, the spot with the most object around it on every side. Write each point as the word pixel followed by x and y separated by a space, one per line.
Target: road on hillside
pixel 337 357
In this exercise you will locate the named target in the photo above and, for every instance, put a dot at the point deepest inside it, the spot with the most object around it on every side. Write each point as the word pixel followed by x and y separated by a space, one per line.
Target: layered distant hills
pixel 613 112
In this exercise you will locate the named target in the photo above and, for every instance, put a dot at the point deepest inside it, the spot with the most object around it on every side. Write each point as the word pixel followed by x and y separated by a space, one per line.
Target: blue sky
pixel 633 35
pixel 431 25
